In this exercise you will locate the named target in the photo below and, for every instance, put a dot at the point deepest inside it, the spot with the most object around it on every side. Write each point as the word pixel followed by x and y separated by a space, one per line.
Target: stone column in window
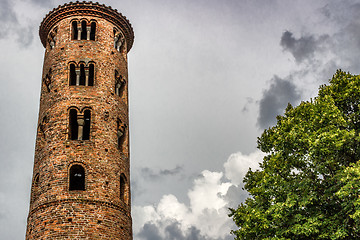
pixel 77 71
pixel 115 41
pixel 88 30
pixel 86 76
pixel 81 123
pixel 117 88
pixel 79 31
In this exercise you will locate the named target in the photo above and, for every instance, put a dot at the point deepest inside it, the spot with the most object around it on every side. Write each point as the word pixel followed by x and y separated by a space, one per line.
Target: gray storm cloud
pixel 275 99
pixel 302 48
pixel 153 174
pixel 172 232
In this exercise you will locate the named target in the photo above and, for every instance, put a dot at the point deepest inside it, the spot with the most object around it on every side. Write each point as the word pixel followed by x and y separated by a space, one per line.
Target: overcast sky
pixel 206 78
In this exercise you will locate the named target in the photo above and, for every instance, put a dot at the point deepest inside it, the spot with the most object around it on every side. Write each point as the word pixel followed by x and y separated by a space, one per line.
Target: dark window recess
pixel 92 31
pixel 77 178
pixel 73 125
pixel 83 30
pixel 120 134
pixel 74 30
pixel 82 74
pixel 91 74
pixel 87 119
pixel 122 187
pixel 122 89
pixel 36 180
pixel 72 74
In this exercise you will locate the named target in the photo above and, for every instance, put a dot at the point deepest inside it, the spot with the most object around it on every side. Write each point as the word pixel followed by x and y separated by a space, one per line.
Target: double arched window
pixel 79 124
pixel 76 178
pixel 119 40
pixel 52 38
pixel 83 30
pixel 82 74
pixel 120 84
pixel 121 134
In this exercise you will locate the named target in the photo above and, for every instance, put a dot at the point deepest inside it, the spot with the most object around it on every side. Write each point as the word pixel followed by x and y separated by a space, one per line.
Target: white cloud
pixel 207 211
pixel 238 164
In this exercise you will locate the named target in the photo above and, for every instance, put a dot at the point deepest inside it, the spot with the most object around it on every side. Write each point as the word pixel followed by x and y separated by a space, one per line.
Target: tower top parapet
pixel 87 9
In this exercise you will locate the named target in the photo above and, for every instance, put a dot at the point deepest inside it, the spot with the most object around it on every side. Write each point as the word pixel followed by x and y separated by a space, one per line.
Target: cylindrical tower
pixel 81 177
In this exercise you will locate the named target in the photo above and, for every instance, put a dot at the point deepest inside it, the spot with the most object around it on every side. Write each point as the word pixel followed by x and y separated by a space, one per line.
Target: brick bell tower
pixel 81 177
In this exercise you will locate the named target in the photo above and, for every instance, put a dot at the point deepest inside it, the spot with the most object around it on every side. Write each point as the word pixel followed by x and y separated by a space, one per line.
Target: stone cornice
pixel 87 9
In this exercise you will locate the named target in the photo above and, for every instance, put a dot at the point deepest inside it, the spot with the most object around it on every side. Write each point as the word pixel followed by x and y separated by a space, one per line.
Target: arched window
pixel 36 180
pixel 123 188
pixel 86 130
pixel 77 178
pixel 91 74
pixel 118 40
pixel 72 74
pixel 82 74
pixel 47 79
pixel 121 133
pixel 117 83
pixel 83 30
pixel 52 38
pixel 92 31
pixel 73 125
pixel 122 88
pixel 74 32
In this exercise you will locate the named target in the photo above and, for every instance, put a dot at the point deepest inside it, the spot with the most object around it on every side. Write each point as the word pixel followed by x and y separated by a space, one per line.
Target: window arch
pixel 92 30
pixel 75 30
pixel 76 178
pixel 47 79
pixel 82 74
pixel 82 30
pixel 121 134
pixel 86 130
pixel 124 191
pixel 73 125
pixel 79 124
pixel 119 40
pixel 119 84
pixel 36 180
pixel 73 75
pixel 52 38
pixel 91 75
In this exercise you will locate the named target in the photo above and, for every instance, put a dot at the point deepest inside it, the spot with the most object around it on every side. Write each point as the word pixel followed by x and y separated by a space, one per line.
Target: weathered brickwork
pixel 97 140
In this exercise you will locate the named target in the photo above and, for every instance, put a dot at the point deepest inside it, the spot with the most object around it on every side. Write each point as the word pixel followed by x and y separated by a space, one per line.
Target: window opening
pixel 47 80
pixel 72 74
pixel 118 40
pixel 92 31
pixel 87 119
pixel 77 178
pixel 120 134
pixel 52 38
pixel 82 75
pixel 73 125
pixel 74 30
pixel 122 187
pixel 36 180
pixel 91 75
pixel 83 30
pixel 122 88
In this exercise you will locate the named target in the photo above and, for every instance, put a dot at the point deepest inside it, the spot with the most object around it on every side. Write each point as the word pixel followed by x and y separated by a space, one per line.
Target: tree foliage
pixel 308 185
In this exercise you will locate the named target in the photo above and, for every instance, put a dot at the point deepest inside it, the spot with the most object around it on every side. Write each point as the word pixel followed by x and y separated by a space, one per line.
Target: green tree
pixel 308 185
